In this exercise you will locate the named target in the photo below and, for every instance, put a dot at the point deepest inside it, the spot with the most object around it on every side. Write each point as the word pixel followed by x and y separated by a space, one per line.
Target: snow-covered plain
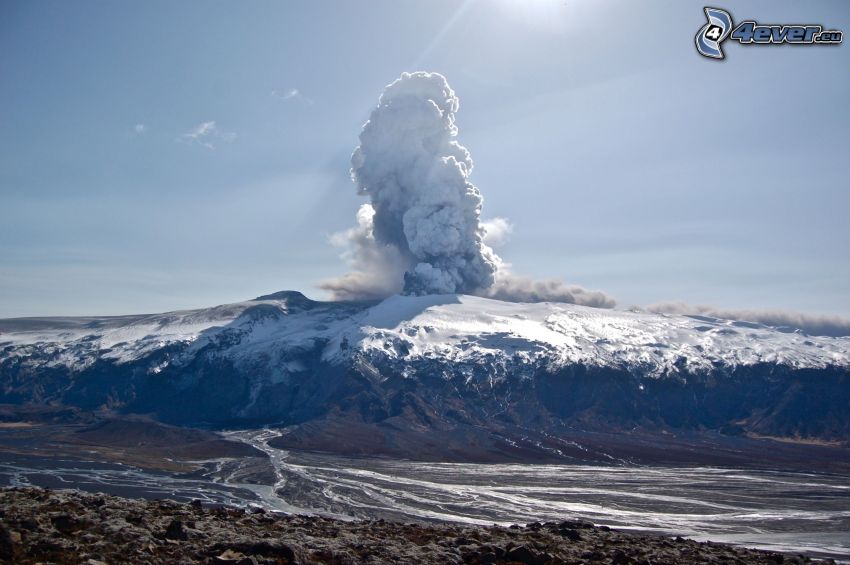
pixel 449 327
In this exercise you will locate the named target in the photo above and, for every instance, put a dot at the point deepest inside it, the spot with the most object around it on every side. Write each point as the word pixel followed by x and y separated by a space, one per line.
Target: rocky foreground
pixel 45 526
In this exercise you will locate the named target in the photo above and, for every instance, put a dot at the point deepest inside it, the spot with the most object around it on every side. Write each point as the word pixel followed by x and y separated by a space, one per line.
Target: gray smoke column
pixel 415 174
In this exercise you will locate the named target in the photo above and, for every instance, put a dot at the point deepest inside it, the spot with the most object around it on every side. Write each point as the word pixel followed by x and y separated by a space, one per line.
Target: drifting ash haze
pixel 421 232
pixel 814 324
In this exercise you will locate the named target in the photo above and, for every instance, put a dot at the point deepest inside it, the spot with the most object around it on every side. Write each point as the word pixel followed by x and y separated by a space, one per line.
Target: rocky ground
pixel 44 526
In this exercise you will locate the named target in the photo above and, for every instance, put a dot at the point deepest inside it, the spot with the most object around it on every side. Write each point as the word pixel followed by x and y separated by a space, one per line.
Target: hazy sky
pixel 164 155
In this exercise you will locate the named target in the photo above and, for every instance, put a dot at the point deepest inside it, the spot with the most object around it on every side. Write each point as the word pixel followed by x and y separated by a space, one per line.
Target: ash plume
pixel 813 324
pixel 416 176
pixel 421 232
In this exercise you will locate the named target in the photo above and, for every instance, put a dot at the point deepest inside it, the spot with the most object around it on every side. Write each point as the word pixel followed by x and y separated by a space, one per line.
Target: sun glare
pixel 551 15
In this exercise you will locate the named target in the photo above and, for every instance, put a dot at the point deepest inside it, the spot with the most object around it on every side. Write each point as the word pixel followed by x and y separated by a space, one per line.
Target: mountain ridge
pixel 476 372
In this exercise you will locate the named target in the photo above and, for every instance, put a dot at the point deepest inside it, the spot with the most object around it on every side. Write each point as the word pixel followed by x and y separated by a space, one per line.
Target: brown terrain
pixel 57 432
pixel 141 441
pixel 69 527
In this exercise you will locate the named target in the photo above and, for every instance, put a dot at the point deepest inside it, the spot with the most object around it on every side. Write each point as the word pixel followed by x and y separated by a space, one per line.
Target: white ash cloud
pixel 814 324
pixel 422 232
pixel 415 173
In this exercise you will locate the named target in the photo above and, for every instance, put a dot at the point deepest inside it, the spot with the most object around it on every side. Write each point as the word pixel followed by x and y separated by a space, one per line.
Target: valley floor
pixel 48 526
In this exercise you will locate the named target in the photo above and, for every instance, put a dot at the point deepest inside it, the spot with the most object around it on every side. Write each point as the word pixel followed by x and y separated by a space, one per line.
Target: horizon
pixel 173 158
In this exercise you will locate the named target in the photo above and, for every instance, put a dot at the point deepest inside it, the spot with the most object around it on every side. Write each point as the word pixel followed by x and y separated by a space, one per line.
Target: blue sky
pixel 164 155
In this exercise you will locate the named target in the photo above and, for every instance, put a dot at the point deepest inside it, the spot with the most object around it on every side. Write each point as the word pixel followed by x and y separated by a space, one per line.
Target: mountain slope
pixel 457 372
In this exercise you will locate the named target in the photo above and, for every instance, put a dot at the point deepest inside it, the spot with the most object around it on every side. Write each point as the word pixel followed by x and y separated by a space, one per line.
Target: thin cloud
pixel 140 128
pixel 207 134
pixel 291 94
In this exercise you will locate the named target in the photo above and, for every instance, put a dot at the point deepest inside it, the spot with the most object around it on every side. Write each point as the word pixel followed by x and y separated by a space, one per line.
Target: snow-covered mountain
pixel 444 360
pixel 455 328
